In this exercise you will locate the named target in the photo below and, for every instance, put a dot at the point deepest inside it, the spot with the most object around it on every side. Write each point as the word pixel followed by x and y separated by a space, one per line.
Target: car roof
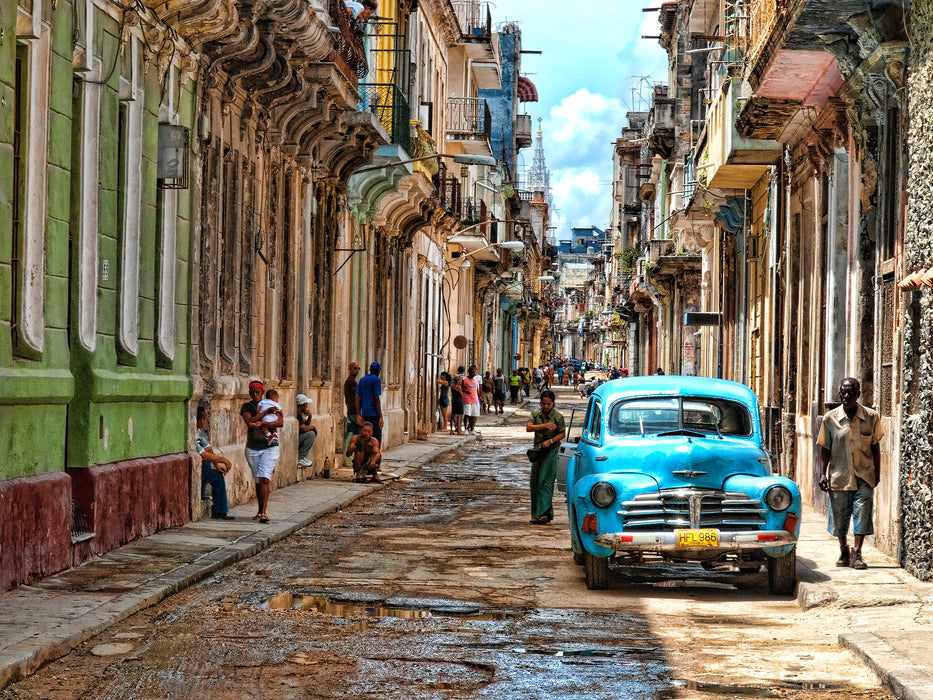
pixel 674 385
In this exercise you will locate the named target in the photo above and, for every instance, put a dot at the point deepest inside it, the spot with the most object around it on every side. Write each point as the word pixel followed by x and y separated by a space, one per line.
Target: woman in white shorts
pixel 260 455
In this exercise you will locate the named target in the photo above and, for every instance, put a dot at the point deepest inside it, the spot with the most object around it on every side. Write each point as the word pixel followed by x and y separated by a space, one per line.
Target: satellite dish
pixel 460 342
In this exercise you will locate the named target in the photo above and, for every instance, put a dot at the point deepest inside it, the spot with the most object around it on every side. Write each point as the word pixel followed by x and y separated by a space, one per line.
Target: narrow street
pixel 437 587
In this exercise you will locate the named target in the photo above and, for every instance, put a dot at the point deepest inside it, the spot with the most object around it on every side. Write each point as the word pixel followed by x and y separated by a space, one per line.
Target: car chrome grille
pixel 692 508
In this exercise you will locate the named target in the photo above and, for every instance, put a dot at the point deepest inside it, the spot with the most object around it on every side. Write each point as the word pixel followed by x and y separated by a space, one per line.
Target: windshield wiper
pixel 682 431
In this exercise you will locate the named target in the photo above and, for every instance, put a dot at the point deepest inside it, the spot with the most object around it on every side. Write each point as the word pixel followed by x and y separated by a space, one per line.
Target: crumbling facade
pixel 779 164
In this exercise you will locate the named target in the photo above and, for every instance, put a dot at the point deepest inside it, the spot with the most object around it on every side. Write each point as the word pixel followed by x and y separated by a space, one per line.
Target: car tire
pixel 579 559
pixel 782 573
pixel 597 571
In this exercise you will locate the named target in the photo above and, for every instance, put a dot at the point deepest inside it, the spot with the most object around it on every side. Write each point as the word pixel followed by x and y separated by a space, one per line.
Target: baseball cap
pixel 375 365
pixel 302 399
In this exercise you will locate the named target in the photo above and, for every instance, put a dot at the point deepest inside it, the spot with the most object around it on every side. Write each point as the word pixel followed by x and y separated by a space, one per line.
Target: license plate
pixel 697 538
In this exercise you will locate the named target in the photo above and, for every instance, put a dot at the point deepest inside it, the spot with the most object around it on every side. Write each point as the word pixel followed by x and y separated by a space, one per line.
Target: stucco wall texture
pixel 916 451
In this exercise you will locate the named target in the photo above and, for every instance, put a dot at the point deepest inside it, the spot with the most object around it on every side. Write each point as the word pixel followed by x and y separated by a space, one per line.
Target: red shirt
pixel 469 389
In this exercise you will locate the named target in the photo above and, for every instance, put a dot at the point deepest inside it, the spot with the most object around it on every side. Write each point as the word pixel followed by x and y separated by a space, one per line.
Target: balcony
pixel 522 130
pixel 661 127
pixel 391 108
pixel 762 18
pixel 348 53
pixel 469 123
pixel 449 191
pixel 476 29
pixel 731 161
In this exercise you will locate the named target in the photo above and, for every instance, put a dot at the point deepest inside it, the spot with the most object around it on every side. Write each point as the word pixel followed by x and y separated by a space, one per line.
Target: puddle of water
pixel 688 583
pixel 286 600
pixel 758 691
pixel 600 653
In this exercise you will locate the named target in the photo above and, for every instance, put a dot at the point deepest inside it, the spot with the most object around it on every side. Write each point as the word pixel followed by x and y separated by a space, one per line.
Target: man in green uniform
pixel 548 426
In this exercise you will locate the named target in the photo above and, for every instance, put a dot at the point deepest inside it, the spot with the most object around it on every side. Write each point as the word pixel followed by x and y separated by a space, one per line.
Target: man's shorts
pixel 262 462
pixel 471 409
pixel 856 505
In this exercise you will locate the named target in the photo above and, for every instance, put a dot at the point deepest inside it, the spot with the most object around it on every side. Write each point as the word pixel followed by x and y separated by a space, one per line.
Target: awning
pixel 527 92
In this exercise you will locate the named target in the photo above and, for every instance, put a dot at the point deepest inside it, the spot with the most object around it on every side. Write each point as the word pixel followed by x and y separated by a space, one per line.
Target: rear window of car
pixel 700 414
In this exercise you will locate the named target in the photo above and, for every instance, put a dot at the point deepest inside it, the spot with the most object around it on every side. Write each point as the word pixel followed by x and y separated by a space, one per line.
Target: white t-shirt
pixel 266 404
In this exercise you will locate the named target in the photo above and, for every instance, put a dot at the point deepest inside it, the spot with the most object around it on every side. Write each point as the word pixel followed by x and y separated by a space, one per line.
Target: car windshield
pixel 695 413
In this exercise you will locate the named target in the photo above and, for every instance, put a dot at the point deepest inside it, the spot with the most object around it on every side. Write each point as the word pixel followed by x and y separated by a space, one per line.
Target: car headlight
pixel 778 498
pixel 603 495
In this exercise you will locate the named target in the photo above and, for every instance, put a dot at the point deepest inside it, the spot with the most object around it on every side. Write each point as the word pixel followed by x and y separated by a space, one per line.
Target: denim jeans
pixel 855 505
pixel 215 480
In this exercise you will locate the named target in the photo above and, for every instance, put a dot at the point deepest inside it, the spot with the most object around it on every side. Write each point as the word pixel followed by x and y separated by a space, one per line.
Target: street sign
pixel 698 318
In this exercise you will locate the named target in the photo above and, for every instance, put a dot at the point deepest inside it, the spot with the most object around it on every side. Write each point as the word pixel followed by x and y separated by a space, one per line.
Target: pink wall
pixel 121 502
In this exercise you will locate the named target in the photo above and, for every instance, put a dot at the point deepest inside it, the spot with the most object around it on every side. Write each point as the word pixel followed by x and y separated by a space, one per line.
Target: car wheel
pixel 597 571
pixel 578 559
pixel 782 573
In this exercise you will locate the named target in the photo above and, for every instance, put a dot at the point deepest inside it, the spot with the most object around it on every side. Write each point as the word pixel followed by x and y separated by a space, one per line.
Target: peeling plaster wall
pixel 916 451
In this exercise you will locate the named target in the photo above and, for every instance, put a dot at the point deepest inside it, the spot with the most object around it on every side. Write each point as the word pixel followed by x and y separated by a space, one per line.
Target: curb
pixel 813 595
pixel 894 671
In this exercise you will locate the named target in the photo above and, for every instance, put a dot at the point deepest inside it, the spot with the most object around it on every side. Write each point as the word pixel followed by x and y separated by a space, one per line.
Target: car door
pixel 568 448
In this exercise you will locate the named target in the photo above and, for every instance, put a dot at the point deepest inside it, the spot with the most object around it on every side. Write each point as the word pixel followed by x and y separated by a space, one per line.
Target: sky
pixel 591 62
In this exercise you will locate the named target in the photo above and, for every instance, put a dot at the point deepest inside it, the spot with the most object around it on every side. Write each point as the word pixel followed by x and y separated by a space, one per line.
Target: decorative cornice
pixel 733 213
pixel 446 21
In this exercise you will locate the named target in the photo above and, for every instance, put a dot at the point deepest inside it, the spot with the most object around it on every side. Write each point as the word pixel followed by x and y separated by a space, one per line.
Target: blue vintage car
pixel 673 467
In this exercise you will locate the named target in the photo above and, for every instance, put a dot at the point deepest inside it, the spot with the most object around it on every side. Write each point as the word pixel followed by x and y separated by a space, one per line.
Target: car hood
pixel 676 461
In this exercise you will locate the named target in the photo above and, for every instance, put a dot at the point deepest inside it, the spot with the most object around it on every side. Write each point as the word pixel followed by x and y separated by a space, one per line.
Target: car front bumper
pixel 667 541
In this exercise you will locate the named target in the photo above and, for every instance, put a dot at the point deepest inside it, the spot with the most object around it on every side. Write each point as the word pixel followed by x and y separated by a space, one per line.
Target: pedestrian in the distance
pixel 498 393
pixel 368 404
pixel 261 457
pixel 349 398
pixel 456 405
pixel 489 390
pixel 850 469
pixel 515 383
pixel 548 426
pixel 443 400
pixel 307 432
pixel 470 387
pixel 213 468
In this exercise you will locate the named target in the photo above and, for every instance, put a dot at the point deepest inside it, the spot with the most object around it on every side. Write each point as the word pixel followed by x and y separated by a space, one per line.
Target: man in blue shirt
pixel 368 406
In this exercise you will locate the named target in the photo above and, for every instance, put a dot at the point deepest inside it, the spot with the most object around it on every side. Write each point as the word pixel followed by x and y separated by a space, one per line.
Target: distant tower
pixel 539 178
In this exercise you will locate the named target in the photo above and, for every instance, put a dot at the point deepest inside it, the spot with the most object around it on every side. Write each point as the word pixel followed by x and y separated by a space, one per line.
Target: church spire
pixel 539 179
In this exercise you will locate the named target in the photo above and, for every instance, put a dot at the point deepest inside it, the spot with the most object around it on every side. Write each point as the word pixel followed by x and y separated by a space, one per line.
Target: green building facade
pixel 94 282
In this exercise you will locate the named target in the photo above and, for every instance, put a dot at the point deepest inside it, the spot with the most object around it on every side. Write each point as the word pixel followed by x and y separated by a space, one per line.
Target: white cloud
pixel 570 182
pixel 580 115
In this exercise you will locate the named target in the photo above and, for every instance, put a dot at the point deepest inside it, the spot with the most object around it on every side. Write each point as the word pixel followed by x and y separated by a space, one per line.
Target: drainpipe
pixel 773 207
pixel 745 270
pixel 663 185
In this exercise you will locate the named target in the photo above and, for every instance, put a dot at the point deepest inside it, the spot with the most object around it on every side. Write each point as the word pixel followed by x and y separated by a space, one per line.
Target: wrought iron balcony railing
pixel 348 53
pixel 391 108
pixel 449 191
pixel 762 18
pixel 468 116
pixel 475 19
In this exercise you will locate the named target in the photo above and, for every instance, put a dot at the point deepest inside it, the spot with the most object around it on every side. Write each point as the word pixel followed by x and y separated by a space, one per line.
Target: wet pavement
pixel 437 587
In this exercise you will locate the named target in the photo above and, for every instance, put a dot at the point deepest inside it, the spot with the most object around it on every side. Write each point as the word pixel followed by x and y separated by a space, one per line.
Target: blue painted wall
pixel 501 102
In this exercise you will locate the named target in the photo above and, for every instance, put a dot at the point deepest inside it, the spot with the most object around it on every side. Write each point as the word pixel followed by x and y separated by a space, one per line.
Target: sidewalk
pixel 889 613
